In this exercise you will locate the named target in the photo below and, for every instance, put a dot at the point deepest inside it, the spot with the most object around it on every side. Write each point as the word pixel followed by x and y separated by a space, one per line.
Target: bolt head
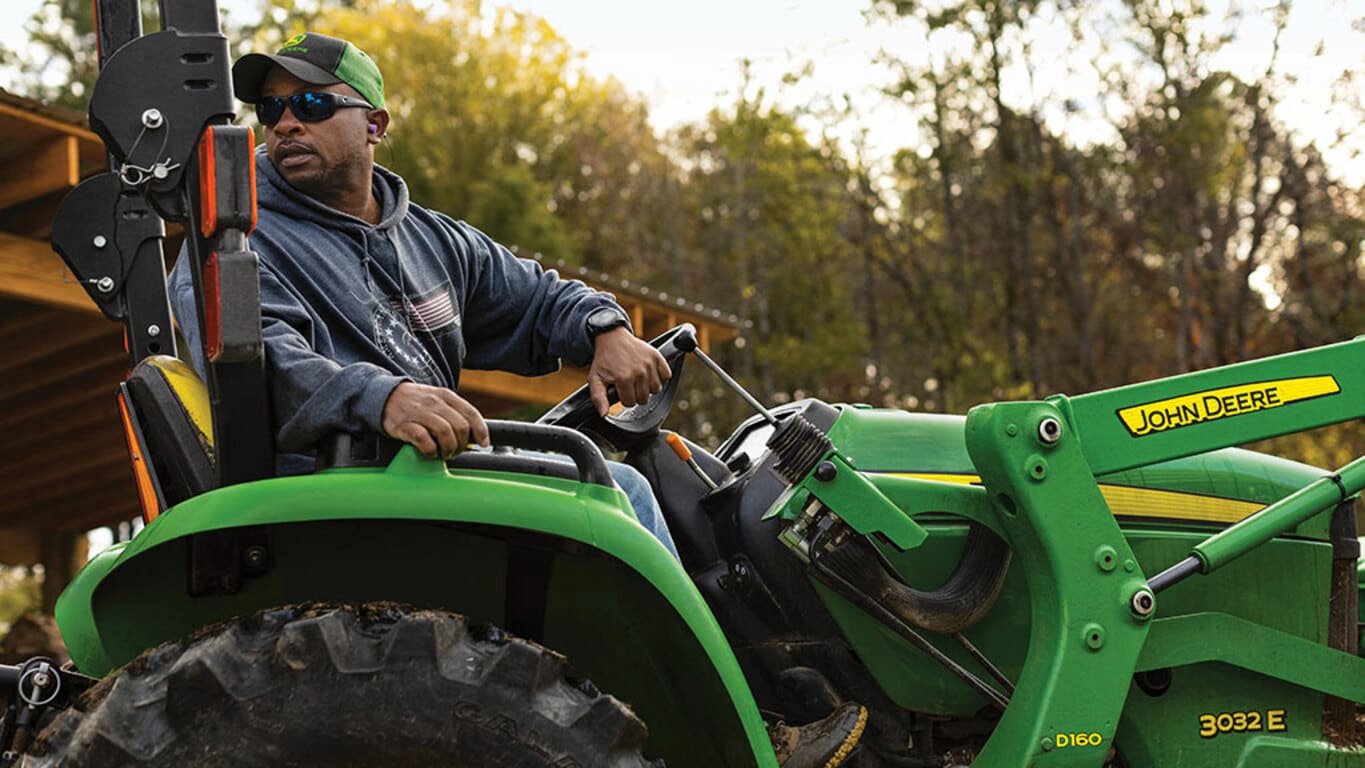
pixel 100 241
pixel 826 471
pixel 1093 636
pixel 1143 603
pixel 154 330
pixel 1049 431
pixel 152 118
pixel 105 284
pixel 255 557
pixel 42 679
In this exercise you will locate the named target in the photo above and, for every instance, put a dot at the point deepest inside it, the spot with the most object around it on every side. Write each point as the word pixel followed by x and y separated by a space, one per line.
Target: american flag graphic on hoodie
pixel 433 312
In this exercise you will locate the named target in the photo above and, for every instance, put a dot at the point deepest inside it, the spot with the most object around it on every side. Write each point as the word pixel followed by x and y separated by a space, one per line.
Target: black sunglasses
pixel 309 107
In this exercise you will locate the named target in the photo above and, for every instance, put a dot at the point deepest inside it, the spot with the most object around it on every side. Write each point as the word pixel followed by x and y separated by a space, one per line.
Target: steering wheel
pixel 628 428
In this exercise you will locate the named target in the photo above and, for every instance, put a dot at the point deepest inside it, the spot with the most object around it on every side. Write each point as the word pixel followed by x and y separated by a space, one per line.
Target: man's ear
pixel 378 120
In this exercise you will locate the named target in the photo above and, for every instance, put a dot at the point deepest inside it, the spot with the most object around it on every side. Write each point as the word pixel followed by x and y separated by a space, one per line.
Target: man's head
pixel 321 101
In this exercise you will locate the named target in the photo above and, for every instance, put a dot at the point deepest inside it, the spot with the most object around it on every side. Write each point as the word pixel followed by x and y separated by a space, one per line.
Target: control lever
pixel 688 343
pixel 685 453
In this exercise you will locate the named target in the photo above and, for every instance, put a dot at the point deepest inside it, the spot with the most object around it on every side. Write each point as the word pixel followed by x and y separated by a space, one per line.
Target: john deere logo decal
pixel 295 40
pixel 1215 404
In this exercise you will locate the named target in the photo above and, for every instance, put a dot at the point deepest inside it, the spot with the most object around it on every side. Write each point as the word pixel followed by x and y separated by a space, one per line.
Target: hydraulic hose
pixel 963 600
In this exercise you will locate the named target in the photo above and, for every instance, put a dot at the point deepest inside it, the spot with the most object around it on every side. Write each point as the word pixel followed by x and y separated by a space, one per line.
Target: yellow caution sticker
pixel 1215 404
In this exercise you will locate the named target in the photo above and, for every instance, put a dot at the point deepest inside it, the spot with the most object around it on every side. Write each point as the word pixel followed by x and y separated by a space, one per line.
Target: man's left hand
pixel 633 366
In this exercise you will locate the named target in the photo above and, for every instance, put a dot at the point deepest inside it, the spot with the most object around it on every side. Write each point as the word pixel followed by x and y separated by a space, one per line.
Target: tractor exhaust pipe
pixel 963 600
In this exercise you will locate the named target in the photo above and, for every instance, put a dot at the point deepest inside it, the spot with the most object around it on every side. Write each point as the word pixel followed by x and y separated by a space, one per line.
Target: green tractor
pixel 1096 580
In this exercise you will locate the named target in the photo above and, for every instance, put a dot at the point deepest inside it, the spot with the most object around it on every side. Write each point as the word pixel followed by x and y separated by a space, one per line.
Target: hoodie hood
pixel 276 194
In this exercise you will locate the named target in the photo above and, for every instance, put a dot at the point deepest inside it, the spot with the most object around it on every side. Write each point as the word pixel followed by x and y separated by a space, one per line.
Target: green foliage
pixel 513 203
pixel 770 206
pixel 62 60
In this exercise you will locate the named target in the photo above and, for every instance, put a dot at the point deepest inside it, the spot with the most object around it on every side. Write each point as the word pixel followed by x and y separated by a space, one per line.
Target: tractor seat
pixel 169 416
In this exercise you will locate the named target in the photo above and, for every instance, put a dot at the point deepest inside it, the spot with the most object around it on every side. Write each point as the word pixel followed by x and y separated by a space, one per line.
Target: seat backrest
pixel 170 406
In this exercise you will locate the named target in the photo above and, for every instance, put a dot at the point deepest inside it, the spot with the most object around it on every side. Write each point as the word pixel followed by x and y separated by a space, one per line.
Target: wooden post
pixel 62 553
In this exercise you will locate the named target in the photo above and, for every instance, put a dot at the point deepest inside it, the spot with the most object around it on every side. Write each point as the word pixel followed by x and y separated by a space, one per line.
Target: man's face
pixel 321 159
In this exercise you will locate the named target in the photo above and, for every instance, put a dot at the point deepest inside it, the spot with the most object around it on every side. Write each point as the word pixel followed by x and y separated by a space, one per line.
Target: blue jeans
pixel 637 491
pixel 642 500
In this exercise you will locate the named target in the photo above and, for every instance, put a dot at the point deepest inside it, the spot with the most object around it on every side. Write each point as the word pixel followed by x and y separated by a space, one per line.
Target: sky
pixel 683 58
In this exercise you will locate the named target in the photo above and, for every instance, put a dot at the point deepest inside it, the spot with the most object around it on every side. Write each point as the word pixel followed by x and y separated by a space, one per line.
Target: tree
pixel 770 205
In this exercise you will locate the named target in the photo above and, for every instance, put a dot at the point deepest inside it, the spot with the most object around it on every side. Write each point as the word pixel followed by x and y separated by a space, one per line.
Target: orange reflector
pixel 252 172
pixel 208 185
pixel 678 446
pixel 213 309
pixel 146 491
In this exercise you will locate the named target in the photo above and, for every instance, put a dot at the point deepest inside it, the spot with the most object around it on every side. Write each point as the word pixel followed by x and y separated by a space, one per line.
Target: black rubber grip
pixel 592 468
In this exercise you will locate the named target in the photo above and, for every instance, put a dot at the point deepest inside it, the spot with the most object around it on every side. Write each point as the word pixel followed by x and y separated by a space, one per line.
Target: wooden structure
pixel 63 465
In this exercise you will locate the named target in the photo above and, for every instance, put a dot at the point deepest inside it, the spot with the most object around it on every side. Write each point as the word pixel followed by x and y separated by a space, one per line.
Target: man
pixel 372 305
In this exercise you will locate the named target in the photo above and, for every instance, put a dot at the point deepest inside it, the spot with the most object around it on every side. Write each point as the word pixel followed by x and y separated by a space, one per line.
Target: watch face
pixel 604 320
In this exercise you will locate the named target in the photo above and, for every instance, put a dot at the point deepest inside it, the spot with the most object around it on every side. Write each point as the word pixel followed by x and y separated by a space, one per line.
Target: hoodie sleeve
pixel 311 395
pixel 520 317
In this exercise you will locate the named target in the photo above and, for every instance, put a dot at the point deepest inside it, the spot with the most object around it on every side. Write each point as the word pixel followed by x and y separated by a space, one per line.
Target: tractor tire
pixel 327 685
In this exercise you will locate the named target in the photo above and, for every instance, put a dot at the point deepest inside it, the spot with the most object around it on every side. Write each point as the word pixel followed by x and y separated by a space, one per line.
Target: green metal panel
pixel 883 440
pixel 1277 752
pixel 618 604
pixel 1314 499
pixel 888 441
pixel 1181 727
pixel 1201 637
pixel 1183 415
pixel 1081 575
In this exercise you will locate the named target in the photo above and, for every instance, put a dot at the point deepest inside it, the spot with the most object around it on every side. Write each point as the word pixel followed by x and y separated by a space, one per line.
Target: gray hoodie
pixel 350 310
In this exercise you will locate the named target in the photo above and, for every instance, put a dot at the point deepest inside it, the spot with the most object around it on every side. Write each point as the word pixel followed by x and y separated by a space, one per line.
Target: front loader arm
pixel 1092 606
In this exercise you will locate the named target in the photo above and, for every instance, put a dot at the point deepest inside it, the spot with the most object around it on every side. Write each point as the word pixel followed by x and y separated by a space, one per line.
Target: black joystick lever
pixel 687 342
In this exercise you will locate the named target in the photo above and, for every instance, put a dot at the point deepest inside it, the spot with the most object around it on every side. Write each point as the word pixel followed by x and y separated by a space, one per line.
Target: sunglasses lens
pixel 311 107
pixel 270 110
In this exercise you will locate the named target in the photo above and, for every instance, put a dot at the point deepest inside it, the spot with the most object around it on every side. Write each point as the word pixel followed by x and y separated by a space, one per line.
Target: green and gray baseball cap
pixel 312 58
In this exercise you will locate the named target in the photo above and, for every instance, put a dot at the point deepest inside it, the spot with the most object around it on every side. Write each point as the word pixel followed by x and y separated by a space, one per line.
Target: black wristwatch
pixel 605 319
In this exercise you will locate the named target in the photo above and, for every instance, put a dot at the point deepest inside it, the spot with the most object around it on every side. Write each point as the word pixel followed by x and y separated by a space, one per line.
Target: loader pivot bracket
pixel 151 115
pixel 101 231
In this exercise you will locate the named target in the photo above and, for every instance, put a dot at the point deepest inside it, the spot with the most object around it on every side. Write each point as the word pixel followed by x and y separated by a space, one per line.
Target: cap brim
pixel 250 71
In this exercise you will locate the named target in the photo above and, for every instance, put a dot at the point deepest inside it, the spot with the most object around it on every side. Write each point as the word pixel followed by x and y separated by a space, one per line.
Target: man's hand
pixel 437 421
pixel 636 368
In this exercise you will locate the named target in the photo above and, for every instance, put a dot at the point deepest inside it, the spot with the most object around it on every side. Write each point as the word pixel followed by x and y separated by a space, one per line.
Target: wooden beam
pixel 23 320
pixel 31 495
pixel 19 545
pixel 46 166
pixel 59 463
pixel 544 390
pixel 67 330
pixel 30 271
pixel 115 510
pixel 26 124
pixel 81 508
pixel 32 219
pixel 95 391
pixel 74 426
